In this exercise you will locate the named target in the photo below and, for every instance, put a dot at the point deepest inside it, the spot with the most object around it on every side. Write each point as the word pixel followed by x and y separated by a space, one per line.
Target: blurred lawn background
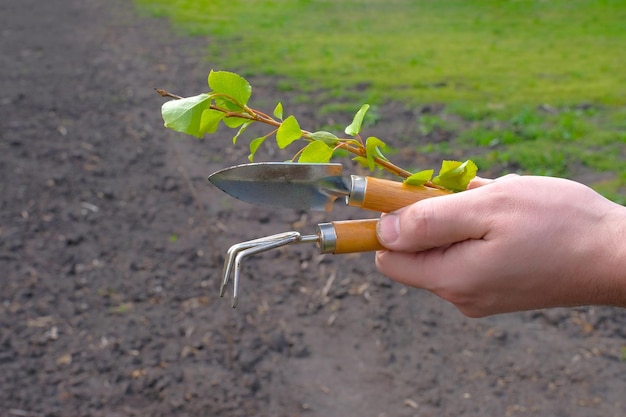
pixel 537 85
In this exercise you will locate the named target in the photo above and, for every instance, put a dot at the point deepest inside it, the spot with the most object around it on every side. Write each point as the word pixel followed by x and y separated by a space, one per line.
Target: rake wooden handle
pixel 385 196
pixel 348 236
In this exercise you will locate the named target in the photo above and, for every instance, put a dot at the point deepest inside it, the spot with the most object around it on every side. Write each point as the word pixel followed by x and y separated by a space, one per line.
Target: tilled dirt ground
pixel 111 250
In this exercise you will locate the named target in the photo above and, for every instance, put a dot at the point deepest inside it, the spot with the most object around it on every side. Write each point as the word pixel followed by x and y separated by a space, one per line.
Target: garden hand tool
pixel 316 187
pixel 337 237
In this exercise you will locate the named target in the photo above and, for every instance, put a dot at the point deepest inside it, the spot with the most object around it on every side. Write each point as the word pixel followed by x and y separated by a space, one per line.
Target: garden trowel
pixel 315 187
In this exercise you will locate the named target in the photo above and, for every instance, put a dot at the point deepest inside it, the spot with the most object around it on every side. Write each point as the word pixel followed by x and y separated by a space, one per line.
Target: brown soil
pixel 111 250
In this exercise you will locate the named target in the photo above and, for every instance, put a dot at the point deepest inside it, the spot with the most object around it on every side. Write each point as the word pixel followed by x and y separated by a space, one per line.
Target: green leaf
pixel 317 151
pixel 278 111
pixel 327 137
pixel 372 147
pixel 355 127
pixel 254 146
pixel 455 175
pixel 420 178
pixel 210 120
pixel 288 132
pixel 185 115
pixel 361 161
pixel 241 130
pixel 227 104
pixel 235 122
pixel 232 85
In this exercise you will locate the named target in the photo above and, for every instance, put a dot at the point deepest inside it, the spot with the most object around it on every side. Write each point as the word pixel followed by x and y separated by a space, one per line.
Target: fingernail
pixel 388 229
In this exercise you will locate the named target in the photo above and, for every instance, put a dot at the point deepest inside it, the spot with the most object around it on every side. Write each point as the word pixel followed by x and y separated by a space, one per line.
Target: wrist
pixel 615 259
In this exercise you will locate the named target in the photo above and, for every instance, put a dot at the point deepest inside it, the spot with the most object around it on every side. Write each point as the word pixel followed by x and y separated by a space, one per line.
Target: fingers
pixel 405 268
pixel 419 269
pixel 448 272
pixel 479 182
pixel 435 222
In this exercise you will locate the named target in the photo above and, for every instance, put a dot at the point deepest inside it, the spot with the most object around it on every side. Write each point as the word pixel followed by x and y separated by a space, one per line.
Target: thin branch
pixel 165 93
pixel 359 149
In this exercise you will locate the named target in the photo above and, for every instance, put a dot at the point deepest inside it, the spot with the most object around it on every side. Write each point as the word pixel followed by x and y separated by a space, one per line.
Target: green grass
pixel 587 142
pixel 483 51
pixel 514 75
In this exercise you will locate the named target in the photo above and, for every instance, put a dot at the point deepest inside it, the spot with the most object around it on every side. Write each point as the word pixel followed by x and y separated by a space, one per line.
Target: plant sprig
pixel 227 103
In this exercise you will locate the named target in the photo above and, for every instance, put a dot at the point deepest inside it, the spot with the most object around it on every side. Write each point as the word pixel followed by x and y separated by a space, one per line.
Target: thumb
pixel 432 223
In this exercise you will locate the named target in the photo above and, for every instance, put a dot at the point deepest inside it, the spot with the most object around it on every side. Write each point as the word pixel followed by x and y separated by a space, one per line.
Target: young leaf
pixel 232 85
pixel 455 175
pixel 254 146
pixel 235 122
pixel 288 132
pixel 210 120
pixel 278 111
pixel 372 147
pixel 355 127
pixel 185 115
pixel 316 152
pixel 326 137
pixel 241 130
pixel 420 178
pixel 361 161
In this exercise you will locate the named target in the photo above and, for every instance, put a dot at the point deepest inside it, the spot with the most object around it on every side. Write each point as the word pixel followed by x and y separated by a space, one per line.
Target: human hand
pixel 511 244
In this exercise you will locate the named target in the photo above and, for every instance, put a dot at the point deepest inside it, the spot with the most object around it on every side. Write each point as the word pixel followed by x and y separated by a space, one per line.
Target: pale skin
pixel 512 244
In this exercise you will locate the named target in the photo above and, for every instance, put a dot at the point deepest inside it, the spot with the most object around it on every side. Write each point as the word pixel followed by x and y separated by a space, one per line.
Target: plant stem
pixel 389 166
pixel 360 151
pixel 165 93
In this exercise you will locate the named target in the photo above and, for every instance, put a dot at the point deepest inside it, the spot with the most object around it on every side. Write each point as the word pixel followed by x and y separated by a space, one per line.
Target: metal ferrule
pixel 327 237
pixel 357 191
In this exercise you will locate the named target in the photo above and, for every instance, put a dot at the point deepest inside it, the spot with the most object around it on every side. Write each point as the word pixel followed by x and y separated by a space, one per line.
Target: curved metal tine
pixel 294 237
pixel 233 250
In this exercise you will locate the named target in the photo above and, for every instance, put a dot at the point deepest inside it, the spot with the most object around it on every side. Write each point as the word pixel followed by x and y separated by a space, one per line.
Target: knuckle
pixel 419 220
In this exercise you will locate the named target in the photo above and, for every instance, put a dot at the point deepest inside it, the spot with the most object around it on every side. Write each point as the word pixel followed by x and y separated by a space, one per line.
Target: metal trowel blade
pixel 284 184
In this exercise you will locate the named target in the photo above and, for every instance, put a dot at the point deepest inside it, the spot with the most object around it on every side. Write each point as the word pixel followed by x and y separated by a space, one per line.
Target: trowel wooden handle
pixel 348 236
pixel 385 195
